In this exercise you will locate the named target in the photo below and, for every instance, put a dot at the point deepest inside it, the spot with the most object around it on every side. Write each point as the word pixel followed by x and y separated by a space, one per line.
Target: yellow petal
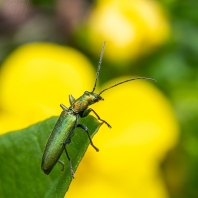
pixel 37 77
pixel 131 28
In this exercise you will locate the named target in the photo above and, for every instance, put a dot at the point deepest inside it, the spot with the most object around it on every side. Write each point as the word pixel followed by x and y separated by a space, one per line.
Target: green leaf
pixel 20 160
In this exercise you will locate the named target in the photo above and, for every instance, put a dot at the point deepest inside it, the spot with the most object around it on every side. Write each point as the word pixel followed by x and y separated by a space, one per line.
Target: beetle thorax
pixel 82 103
pixel 79 106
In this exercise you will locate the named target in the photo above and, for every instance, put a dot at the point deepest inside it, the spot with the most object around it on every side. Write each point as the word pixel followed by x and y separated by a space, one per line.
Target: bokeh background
pixel 50 49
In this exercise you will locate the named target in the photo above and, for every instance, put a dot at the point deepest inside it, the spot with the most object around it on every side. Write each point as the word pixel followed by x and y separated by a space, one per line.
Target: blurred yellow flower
pixel 36 78
pixel 131 28
pixel 144 128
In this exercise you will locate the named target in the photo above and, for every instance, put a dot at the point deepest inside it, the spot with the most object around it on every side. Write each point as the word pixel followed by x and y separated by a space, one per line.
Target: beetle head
pixel 92 97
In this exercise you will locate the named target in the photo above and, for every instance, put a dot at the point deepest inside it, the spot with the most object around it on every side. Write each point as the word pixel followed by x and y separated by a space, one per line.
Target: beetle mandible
pixel 65 127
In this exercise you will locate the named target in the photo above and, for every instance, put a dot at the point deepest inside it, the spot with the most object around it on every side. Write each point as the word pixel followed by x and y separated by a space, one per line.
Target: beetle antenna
pixel 99 65
pixel 139 78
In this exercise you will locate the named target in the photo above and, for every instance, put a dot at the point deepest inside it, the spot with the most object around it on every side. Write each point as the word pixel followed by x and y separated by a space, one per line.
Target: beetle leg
pixel 87 111
pixel 84 128
pixel 64 107
pixel 70 164
pixel 63 164
pixel 71 99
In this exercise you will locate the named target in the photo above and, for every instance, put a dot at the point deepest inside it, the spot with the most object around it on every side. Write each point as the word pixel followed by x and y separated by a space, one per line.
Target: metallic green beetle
pixel 68 122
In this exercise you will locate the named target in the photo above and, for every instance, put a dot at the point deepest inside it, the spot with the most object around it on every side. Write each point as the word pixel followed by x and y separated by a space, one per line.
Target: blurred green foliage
pixel 174 65
pixel 176 69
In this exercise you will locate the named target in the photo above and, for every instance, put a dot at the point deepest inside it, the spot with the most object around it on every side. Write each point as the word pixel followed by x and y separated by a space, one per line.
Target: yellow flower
pixel 36 78
pixel 131 28
pixel 144 128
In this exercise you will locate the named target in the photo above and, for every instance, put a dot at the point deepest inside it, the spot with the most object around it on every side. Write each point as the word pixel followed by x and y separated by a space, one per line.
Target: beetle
pixel 67 123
